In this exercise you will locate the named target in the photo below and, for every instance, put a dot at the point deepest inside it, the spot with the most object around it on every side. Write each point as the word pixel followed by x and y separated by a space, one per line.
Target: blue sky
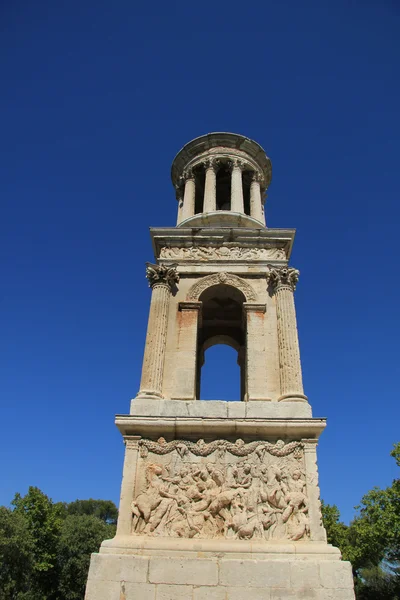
pixel 97 98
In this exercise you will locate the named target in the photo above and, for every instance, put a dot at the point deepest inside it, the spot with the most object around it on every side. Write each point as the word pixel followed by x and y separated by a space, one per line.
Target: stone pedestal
pixel 219 501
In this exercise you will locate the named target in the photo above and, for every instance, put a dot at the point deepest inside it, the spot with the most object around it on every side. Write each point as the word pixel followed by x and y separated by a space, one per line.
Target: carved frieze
pixel 225 278
pixel 206 253
pixel 221 489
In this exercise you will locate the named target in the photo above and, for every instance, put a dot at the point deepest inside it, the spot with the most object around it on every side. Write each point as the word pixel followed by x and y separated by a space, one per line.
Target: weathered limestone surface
pixel 220 500
pixel 219 578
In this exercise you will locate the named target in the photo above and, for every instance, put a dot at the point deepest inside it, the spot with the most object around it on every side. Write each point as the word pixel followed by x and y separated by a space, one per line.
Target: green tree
pixel 102 509
pixel 80 536
pixel 43 520
pixel 16 555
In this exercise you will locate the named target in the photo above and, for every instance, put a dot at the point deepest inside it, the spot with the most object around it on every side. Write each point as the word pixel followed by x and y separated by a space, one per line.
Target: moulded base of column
pixel 150 394
pixel 293 397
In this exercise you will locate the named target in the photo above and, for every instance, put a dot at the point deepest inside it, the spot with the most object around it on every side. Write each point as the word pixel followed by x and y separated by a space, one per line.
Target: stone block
pixel 174 592
pixel 255 573
pixel 304 574
pixel 243 593
pixel 210 593
pixel 236 410
pixel 98 588
pixel 137 591
pixel 290 594
pixel 336 575
pixel 208 408
pixel 183 571
pixel 119 567
pixel 339 594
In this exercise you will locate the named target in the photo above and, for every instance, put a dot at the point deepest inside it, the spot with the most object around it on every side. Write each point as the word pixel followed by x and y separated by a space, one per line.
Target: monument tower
pixel 220 500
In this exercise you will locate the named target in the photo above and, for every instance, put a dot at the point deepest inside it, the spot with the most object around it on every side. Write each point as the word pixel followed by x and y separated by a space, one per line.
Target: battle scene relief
pixel 221 489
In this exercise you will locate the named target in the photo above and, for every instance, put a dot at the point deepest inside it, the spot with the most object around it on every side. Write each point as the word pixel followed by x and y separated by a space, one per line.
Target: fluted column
pixel 256 210
pixel 210 187
pixel 237 204
pixel 283 282
pixel 124 524
pixel 161 279
pixel 189 195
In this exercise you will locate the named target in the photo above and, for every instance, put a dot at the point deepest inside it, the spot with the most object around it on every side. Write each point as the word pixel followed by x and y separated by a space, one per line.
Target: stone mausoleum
pixel 220 500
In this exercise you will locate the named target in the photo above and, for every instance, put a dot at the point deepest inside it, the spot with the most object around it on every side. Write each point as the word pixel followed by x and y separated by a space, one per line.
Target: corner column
pixel 161 280
pixel 283 281
pixel 189 195
pixel 256 210
pixel 237 204
pixel 317 530
pixel 124 524
pixel 210 187
pixel 186 355
pixel 256 383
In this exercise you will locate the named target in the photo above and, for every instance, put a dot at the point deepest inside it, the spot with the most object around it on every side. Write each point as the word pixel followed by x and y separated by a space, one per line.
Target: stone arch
pixel 225 278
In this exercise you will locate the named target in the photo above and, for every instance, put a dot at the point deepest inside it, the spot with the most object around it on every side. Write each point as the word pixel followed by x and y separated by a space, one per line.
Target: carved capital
pixel 132 442
pixel 188 174
pixel 283 277
pixel 161 275
pixel 212 163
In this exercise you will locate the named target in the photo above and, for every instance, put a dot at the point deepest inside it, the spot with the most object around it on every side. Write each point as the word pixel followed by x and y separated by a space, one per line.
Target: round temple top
pixel 220 180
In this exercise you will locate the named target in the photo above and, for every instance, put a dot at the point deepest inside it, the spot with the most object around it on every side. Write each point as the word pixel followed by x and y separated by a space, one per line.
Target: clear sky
pixel 97 98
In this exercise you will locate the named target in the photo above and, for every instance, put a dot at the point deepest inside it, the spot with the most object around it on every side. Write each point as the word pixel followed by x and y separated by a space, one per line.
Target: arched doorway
pixel 222 323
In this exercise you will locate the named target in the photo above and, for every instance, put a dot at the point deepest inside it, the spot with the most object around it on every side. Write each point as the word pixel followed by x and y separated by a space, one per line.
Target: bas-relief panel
pixel 221 489
pixel 223 253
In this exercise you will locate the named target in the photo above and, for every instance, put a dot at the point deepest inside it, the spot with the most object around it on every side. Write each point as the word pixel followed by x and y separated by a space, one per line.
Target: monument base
pixel 138 568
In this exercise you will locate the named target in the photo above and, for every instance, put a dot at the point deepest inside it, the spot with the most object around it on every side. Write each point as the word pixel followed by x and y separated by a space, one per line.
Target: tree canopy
pixel 45 547
pixel 372 540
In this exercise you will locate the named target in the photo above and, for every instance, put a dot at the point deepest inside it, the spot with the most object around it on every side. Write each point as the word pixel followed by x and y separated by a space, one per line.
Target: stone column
pixel 210 188
pixel 161 279
pixel 189 194
pixel 124 524
pixel 256 210
pixel 317 530
pixel 283 281
pixel 237 187
pixel 179 197
pixel 185 375
pixel 256 383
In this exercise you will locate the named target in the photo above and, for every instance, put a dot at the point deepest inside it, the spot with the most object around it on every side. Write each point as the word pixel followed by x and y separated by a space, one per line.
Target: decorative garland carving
pixel 200 448
pixel 226 278
pixel 223 253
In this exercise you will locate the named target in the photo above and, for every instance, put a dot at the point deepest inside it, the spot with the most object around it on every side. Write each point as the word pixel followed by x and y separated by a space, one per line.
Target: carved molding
pixel 205 253
pixel 225 278
pixel 238 448
pixel 283 277
pixel 161 274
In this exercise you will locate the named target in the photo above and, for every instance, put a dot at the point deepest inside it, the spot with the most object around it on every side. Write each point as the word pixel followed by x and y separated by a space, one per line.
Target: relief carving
pixel 222 253
pixel 221 489
pixel 227 278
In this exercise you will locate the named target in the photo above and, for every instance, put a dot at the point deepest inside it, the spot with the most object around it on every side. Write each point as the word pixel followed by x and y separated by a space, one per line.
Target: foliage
pixel 102 509
pixel 80 536
pixel 16 554
pixel 372 540
pixel 45 547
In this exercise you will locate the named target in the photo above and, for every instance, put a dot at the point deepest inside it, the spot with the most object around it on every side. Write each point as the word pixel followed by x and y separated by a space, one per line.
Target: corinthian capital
pixel 161 274
pixel 212 163
pixel 283 277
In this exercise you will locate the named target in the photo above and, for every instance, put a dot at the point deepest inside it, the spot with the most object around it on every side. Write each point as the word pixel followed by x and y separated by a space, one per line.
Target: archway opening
pixel 220 374
pixel 221 324
pixel 223 190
